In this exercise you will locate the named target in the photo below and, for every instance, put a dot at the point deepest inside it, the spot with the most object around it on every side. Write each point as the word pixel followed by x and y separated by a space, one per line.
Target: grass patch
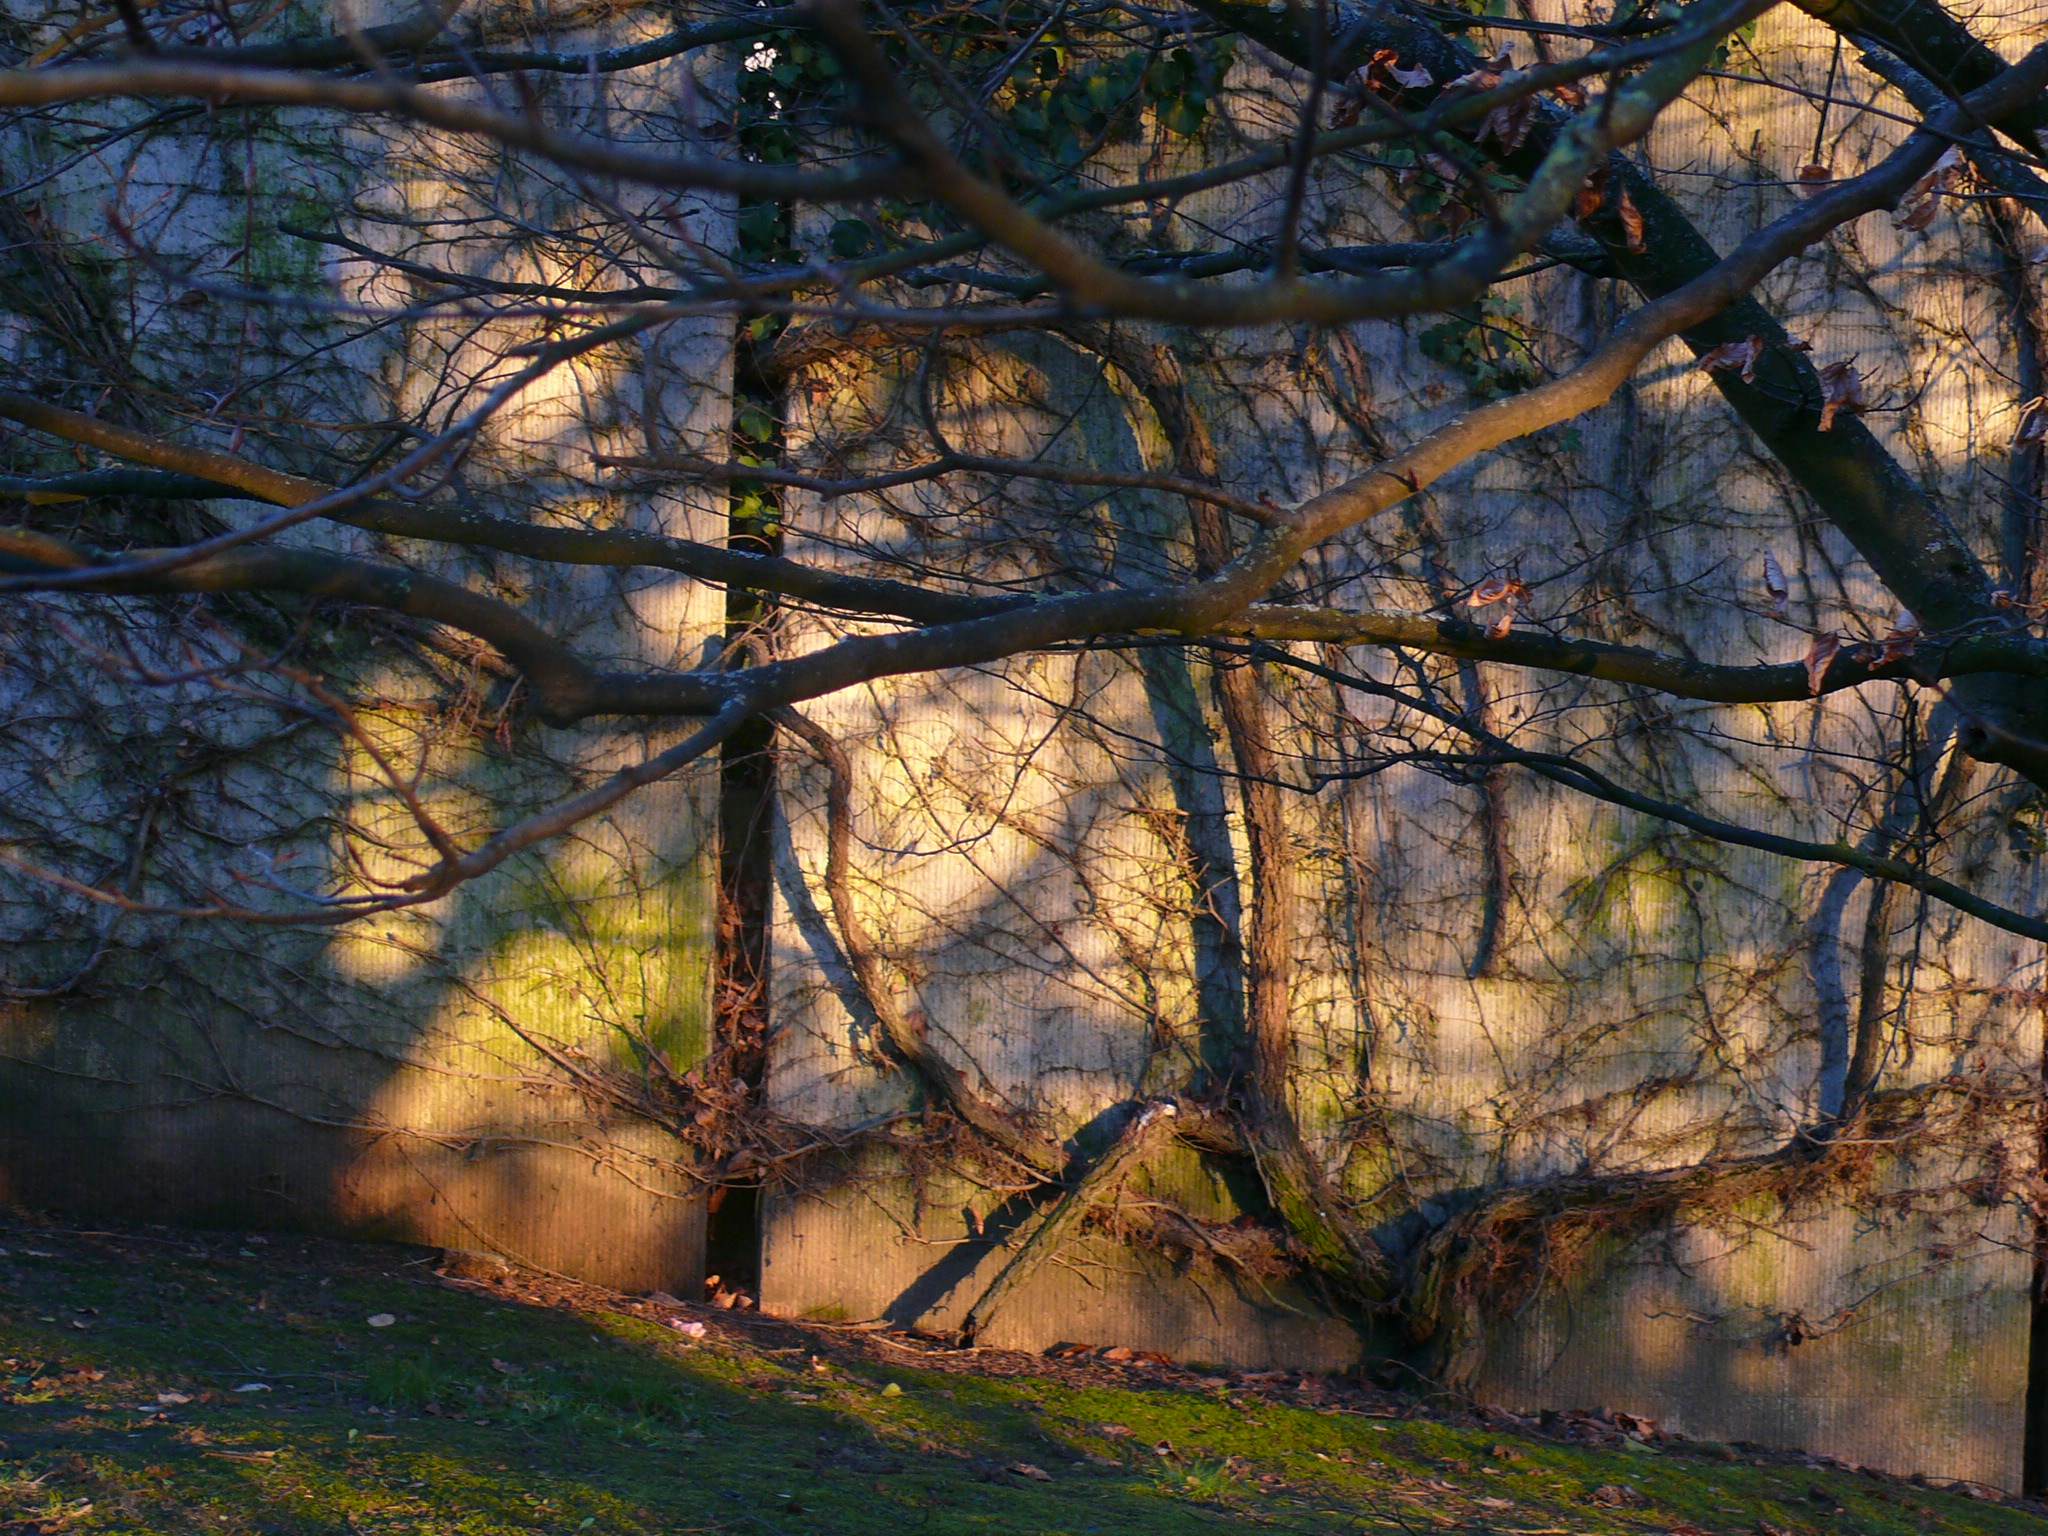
pixel 170 1384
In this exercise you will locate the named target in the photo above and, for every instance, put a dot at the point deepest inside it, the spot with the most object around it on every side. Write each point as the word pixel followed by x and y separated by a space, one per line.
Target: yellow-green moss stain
pixel 1634 898
pixel 617 960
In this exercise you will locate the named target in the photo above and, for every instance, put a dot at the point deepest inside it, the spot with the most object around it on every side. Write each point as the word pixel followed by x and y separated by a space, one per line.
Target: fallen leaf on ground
pixel 1617 1496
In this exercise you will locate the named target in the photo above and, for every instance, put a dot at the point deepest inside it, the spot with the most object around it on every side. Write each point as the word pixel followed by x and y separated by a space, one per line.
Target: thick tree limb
pixel 562 684
pixel 1997 168
pixel 1331 1237
pixel 207 472
pixel 1930 660
pixel 1151 1128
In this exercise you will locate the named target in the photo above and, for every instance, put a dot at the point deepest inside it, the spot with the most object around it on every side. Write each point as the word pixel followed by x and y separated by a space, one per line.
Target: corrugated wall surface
pixel 469 1075
pixel 1483 989
pixel 1491 972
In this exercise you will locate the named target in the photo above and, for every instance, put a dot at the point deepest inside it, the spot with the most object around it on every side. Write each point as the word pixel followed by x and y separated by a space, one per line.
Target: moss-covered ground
pixel 164 1382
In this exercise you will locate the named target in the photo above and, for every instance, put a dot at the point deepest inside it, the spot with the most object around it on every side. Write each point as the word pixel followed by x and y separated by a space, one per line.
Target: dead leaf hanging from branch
pixel 1774 583
pixel 1741 355
pixel 1842 390
pixel 1819 657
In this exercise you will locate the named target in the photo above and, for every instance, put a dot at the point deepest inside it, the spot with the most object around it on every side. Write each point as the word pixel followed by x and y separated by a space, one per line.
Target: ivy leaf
pixel 1184 115
pixel 758 227
pixel 851 238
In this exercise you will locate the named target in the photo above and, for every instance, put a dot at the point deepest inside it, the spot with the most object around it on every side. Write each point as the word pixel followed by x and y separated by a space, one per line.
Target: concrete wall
pixel 1489 974
pixel 487 1073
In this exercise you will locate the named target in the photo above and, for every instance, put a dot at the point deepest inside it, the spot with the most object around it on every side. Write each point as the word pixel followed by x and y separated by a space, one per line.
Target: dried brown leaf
pixel 1631 221
pixel 1592 194
pixel 1819 656
pixel 1742 355
pixel 1903 638
pixel 1385 74
pixel 1774 583
pixel 1508 125
pixel 1919 206
pixel 1916 216
pixel 1842 388
pixel 1475 80
pixel 1617 1496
